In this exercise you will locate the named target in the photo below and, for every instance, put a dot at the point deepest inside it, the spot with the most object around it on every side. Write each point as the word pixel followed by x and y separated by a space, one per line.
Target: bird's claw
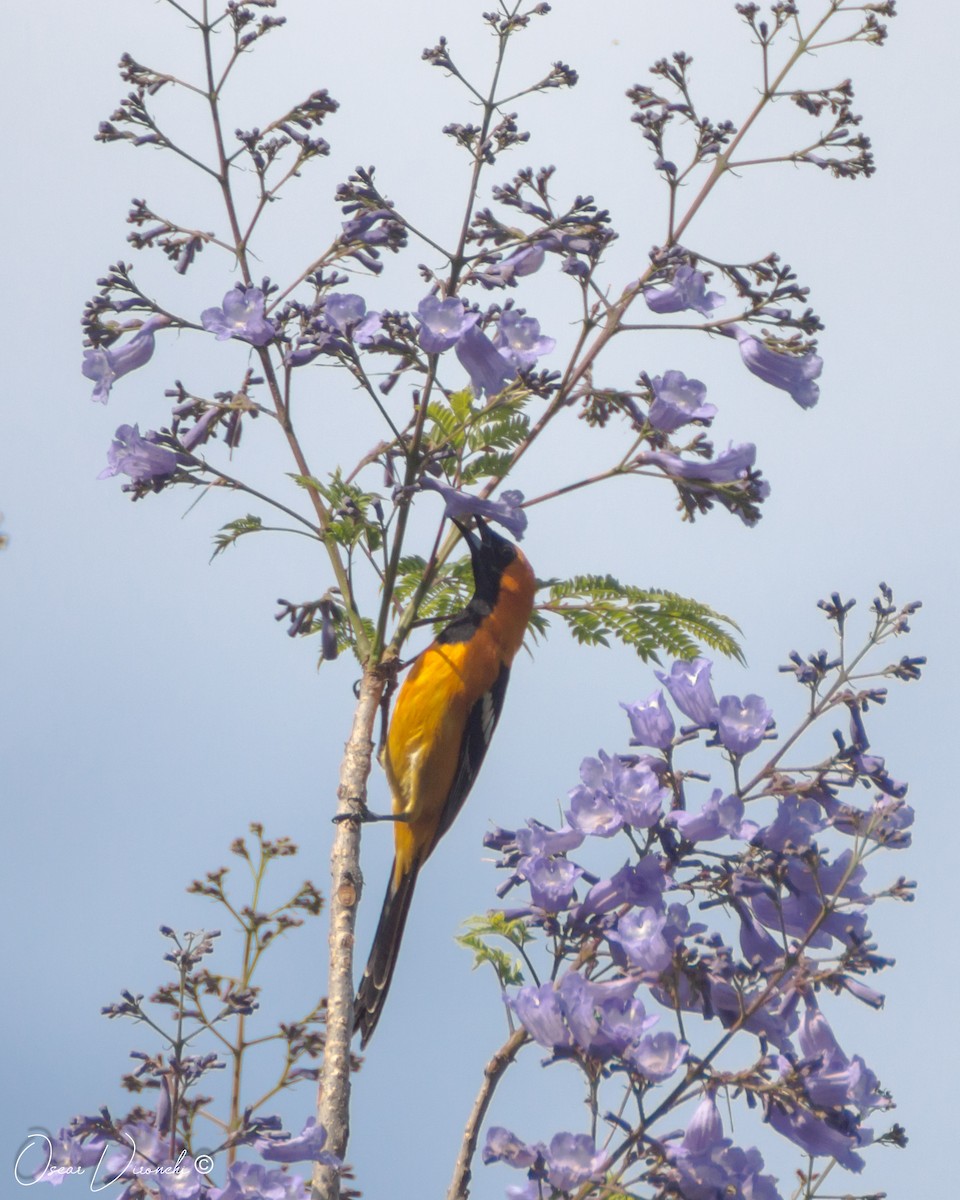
pixel 363 816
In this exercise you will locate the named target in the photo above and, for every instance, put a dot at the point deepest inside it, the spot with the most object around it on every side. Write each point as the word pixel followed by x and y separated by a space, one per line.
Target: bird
pixel 442 723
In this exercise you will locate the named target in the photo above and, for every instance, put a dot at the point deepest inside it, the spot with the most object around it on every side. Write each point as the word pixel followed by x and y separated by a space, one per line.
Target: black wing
pixel 481 722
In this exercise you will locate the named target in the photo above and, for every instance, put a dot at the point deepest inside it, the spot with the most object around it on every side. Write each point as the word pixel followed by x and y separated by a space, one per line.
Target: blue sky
pixel 151 708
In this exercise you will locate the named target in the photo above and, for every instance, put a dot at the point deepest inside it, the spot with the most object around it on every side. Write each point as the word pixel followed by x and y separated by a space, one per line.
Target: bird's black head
pixel 491 554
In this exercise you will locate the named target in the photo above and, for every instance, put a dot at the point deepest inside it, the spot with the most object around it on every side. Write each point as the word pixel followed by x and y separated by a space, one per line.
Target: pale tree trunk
pixel 333 1100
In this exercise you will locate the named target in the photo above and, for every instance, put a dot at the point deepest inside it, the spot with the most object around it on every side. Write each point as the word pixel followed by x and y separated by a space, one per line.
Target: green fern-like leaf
pixel 496 925
pixel 598 610
pixel 234 530
pixel 447 594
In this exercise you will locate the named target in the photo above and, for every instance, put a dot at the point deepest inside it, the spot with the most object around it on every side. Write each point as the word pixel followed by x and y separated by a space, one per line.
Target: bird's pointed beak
pixel 468 535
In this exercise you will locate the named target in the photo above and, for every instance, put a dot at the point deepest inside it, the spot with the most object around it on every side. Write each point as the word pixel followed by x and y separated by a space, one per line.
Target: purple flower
pixel 503 1146
pixel 518 339
pixel 798 819
pixel 540 839
pixel 639 936
pixel 593 812
pixel 706 1165
pixel 837 1081
pixel 376 227
pixel 640 883
pixel 742 724
pixel 689 686
pixel 613 794
pixel 572 1159
pixel 730 465
pixel 347 314
pixel 506 511
pixel 252 1181
pixel 677 401
pixel 106 366
pixel 443 322
pixel 185 1184
pixel 201 431
pixel 800 904
pixel 815 1137
pixel 688 289
pixel 241 317
pixel 59 1157
pixel 651 722
pixel 887 822
pixel 307 1146
pixel 538 1011
pixel 551 881
pixel 142 458
pixel 488 369
pixel 721 816
pixel 793 373
pixel 603 1018
pixel 524 261
pixel 757 945
pixel 142 1145
pixel 657 1055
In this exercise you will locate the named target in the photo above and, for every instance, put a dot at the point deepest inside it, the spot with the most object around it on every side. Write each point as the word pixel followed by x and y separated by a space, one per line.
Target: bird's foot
pixel 364 816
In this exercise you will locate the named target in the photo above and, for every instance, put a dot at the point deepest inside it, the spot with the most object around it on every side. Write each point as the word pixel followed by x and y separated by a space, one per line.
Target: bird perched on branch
pixel 442 723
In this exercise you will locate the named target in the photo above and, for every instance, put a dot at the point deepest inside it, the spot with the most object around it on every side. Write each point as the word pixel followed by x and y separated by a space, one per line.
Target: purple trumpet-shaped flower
pixel 489 370
pixel 793 373
pixel 677 401
pixel 800 905
pixel 641 883
pixel 838 1081
pixel 242 316
pixel 505 273
pixel 592 811
pixel 199 433
pixel 604 1018
pixel 706 1165
pixel 688 289
pixel 541 839
pixel 502 1145
pixel 657 1055
pixel 721 816
pixel 571 1159
pixel 142 458
pixel 798 819
pixel 443 322
pixel 742 724
pixel 506 511
pixel 307 1146
pixel 519 341
pixel 186 1184
pixel 347 314
pixel 651 722
pixel 551 881
pixel 612 794
pixel 816 1137
pixel 56 1158
pixel 689 686
pixel 640 941
pixel 538 1011
pixel 104 367
pixel 252 1181
pixel 729 465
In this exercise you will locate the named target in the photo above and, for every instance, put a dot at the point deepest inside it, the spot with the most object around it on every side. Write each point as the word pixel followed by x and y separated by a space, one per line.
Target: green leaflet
pixel 599 609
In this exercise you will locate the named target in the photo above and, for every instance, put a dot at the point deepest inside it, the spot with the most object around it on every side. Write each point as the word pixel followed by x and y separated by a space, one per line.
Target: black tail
pixel 383 956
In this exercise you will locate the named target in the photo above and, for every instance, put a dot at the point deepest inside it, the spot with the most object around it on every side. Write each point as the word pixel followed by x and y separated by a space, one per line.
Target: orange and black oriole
pixel 443 720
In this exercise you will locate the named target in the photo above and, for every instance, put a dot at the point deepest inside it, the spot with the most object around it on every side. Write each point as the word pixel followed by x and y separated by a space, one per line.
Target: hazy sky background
pixel 151 707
